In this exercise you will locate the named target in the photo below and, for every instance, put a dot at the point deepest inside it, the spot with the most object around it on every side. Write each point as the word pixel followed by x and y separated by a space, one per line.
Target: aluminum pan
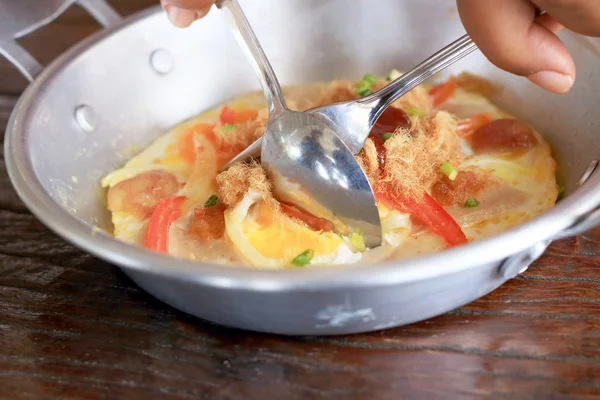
pixel 51 210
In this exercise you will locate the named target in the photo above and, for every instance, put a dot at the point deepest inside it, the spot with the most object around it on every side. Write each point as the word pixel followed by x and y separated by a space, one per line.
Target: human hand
pixel 514 39
pixel 183 12
pixel 507 32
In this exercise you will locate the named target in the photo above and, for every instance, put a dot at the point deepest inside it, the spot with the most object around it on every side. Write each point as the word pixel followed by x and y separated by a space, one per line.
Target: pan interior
pixel 111 99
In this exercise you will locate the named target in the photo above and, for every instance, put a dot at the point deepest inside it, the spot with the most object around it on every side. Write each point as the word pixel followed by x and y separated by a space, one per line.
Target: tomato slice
pixel 314 223
pixel 166 212
pixel 429 211
pixel 440 94
pixel 227 116
pixel 468 126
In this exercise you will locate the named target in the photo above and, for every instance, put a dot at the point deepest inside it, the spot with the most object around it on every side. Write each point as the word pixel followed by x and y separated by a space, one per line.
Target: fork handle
pixel 450 54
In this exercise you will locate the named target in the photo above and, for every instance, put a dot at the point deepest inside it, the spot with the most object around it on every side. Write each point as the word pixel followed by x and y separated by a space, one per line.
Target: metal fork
pixel 354 120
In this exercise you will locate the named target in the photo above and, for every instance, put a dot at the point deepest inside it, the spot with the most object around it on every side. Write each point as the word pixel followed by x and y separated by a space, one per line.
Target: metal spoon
pixel 309 165
pixel 354 120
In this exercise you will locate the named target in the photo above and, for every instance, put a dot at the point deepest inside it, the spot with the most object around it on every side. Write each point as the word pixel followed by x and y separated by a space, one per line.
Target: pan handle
pixel 592 218
pixel 582 225
pixel 19 18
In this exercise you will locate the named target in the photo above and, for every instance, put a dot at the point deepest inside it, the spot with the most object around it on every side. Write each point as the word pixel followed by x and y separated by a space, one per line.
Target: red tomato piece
pixel 468 126
pixel 441 93
pixel 429 211
pixel 227 116
pixel 165 213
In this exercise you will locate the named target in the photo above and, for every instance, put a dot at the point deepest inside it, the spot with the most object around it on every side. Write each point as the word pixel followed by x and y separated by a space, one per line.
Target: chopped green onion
pixel 303 259
pixel 229 127
pixel 387 135
pixel 364 88
pixel 415 111
pixel 471 202
pixel 358 241
pixel 393 75
pixel 211 202
pixel 449 170
pixel 370 79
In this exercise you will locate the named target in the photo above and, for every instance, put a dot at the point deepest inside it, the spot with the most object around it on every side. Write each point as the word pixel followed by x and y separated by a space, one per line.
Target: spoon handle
pixel 246 38
pixel 383 98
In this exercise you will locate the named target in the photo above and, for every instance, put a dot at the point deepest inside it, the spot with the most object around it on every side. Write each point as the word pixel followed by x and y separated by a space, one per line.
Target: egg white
pixel 531 173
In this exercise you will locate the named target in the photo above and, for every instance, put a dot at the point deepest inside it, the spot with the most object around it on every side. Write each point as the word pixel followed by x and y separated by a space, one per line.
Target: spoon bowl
pixel 313 169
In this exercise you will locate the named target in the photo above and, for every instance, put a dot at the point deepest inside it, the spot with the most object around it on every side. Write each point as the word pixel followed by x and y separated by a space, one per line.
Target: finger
pixel 550 23
pixel 581 16
pixel 190 4
pixel 182 17
pixel 513 39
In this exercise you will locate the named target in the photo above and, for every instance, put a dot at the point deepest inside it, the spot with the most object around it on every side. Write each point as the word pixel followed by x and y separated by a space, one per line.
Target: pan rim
pixel 129 257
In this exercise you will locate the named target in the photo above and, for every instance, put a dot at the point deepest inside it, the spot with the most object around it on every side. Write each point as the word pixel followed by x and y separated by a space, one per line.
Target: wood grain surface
pixel 74 327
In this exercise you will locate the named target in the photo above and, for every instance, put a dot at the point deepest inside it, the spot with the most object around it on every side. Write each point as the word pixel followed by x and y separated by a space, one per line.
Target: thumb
pixel 182 13
pixel 512 38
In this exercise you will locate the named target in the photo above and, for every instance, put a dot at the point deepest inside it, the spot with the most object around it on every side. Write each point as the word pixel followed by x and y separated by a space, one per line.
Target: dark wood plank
pixel 6 105
pixel 74 327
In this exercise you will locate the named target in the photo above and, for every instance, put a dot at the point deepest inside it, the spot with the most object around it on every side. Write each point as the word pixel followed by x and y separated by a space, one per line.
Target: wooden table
pixel 72 326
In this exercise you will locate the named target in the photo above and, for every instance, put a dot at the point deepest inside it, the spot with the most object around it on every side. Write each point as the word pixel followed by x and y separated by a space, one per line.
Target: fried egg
pixel 270 240
pixel 256 233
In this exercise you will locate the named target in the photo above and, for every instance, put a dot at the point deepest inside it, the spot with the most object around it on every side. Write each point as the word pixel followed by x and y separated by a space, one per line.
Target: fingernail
pixel 180 17
pixel 553 81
